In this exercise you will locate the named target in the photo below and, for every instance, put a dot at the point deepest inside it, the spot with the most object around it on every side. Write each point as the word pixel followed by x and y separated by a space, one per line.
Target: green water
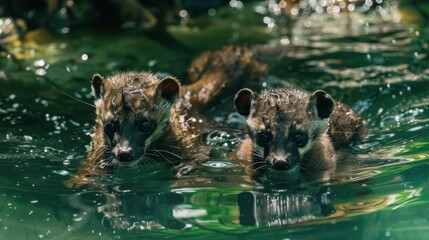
pixel 371 61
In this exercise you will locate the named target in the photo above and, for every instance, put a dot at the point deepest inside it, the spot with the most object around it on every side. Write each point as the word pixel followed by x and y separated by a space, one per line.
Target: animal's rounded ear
pixel 169 88
pixel 97 85
pixel 321 104
pixel 243 101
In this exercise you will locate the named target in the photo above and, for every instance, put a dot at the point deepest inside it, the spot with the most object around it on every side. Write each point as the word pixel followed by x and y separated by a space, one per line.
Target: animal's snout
pixel 125 155
pixel 281 163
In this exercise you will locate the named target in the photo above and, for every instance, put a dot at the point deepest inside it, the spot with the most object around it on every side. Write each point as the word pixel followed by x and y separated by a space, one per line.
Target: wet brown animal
pixel 290 131
pixel 142 120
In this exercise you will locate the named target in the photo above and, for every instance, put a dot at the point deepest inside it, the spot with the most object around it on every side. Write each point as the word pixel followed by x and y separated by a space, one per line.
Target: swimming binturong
pixel 292 133
pixel 142 119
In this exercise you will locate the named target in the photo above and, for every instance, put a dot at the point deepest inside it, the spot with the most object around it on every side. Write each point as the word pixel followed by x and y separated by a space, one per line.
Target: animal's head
pixel 133 111
pixel 283 125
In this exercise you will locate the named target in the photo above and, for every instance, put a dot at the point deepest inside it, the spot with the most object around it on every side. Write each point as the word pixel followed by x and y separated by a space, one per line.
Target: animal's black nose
pixel 125 155
pixel 281 165
pixel 281 162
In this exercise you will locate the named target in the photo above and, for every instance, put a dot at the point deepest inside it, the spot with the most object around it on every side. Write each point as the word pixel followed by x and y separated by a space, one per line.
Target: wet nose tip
pixel 125 155
pixel 281 165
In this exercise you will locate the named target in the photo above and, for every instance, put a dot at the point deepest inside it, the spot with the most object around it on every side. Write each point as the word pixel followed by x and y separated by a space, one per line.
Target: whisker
pixel 152 161
pixel 260 167
pixel 165 151
pixel 303 168
pixel 163 156
pixel 79 100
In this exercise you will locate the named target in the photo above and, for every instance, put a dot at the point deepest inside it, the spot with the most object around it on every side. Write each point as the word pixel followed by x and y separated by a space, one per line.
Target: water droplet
pixel 61 172
pixel 183 13
pixel 27 138
pixel 152 63
pixel 212 12
pixel 39 63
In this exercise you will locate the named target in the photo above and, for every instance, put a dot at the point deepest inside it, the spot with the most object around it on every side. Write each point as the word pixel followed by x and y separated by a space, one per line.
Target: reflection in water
pixel 141 211
pixel 282 208
pixel 130 210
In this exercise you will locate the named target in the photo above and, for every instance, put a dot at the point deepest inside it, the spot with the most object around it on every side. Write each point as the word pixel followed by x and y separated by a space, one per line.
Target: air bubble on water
pixel 66 162
pixel 219 164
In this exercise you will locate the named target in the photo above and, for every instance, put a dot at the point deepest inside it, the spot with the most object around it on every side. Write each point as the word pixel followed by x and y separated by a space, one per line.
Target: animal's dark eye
pixel 300 138
pixel 263 139
pixel 145 125
pixel 110 127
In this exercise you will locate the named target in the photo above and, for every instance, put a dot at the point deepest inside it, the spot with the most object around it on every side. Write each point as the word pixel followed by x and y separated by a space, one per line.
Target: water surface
pixel 369 59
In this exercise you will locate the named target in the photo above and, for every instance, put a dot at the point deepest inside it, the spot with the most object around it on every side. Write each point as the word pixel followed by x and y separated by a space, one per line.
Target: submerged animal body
pixel 291 131
pixel 141 119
